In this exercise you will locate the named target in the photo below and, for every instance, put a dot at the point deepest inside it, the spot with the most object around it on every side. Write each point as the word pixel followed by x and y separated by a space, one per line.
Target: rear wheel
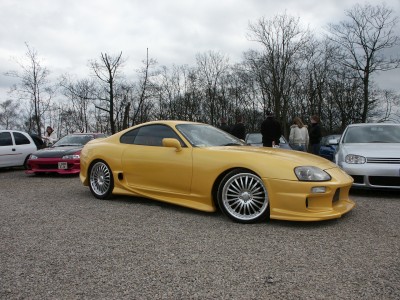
pixel 243 197
pixel 101 181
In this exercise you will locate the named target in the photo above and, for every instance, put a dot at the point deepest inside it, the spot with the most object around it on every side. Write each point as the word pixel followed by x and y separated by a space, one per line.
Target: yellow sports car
pixel 202 167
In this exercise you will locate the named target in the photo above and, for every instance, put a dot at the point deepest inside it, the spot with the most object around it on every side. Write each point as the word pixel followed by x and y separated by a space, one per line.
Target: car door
pixel 150 167
pixel 9 154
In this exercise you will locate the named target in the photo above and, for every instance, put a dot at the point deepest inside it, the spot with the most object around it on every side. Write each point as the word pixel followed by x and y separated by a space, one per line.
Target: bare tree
pixel 364 39
pixel 9 114
pixel 34 87
pixel 212 66
pixel 284 44
pixel 146 90
pixel 79 94
pixel 107 71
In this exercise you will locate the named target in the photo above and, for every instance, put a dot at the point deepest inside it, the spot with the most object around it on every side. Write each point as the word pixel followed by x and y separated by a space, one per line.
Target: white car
pixel 370 153
pixel 15 148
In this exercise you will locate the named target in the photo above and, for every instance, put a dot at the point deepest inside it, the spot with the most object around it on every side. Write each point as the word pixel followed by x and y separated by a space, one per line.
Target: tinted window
pixel 129 137
pixel 20 139
pixel 5 139
pixel 150 135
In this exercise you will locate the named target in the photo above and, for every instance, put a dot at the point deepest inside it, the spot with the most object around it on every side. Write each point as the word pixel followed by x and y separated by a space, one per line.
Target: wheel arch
pixel 221 176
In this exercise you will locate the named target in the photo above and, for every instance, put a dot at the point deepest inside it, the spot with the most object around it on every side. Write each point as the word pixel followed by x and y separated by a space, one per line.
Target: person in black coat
pixel 315 135
pixel 239 130
pixel 224 126
pixel 271 130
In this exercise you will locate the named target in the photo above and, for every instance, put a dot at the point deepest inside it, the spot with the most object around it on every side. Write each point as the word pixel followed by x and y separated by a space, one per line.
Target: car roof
pixel 12 130
pixel 373 124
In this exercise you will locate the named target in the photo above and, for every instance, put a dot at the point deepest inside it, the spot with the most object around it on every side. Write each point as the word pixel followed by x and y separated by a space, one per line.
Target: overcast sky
pixel 68 33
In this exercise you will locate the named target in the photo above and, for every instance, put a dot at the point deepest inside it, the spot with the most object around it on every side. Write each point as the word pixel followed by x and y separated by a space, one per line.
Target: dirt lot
pixel 58 242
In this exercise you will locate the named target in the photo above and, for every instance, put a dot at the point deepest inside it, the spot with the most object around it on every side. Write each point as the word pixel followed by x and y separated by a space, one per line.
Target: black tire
pixel 243 197
pixel 25 165
pixel 101 180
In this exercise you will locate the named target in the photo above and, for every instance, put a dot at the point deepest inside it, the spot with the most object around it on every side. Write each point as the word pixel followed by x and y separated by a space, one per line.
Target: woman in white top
pixel 298 137
pixel 50 136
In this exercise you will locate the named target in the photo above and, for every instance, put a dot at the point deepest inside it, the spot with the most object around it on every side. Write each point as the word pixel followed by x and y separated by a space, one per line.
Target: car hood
pixel 57 151
pixel 295 158
pixel 372 149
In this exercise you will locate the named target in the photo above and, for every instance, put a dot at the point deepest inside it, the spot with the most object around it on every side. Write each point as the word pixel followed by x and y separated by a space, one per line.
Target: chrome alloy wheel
pixel 244 197
pixel 100 179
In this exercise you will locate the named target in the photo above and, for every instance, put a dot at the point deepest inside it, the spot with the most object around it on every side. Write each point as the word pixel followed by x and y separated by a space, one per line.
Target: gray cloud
pixel 69 33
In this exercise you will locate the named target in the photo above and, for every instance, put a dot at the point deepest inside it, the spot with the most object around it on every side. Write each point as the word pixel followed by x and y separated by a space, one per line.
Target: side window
pixel 20 139
pixel 5 139
pixel 129 137
pixel 152 135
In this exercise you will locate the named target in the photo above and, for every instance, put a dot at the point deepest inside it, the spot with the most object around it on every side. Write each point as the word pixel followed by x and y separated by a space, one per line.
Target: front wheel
pixel 243 197
pixel 101 181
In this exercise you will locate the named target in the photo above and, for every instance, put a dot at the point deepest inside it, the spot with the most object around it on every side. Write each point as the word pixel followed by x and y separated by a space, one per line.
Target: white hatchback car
pixel 370 153
pixel 15 148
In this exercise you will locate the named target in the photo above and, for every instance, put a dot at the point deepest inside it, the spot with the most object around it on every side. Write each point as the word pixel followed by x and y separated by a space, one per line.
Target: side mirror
pixel 174 143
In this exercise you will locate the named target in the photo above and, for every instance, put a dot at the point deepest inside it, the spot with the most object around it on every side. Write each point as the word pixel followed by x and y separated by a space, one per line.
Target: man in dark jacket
pixel 270 130
pixel 315 135
pixel 239 130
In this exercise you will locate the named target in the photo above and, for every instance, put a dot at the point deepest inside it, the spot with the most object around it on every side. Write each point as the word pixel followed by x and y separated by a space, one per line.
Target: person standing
pixel 50 136
pixel 239 130
pixel 298 137
pixel 270 130
pixel 224 126
pixel 315 135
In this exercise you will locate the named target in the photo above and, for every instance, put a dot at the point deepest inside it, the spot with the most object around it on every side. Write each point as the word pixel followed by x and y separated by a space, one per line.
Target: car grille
pixel 384 180
pixel 336 196
pixel 48 166
pixel 378 180
pixel 385 160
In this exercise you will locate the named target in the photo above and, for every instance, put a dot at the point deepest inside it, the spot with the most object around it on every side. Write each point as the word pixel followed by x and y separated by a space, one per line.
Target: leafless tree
pixel 364 37
pixel 146 90
pixel 212 66
pixel 9 114
pixel 284 44
pixel 107 71
pixel 80 95
pixel 34 87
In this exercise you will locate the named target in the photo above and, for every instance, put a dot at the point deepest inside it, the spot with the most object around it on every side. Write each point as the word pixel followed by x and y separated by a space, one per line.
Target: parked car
pixel 63 157
pixel 255 139
pixel 328 146
pixel 370 153
pixel 15 148
pixel 201 167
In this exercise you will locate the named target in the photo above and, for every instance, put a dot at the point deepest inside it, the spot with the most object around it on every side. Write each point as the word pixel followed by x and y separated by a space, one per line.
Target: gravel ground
pixel 59 242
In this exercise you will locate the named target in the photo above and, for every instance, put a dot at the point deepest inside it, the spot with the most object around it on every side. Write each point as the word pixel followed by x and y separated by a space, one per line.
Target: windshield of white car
pixel 372 134
pixel 202 135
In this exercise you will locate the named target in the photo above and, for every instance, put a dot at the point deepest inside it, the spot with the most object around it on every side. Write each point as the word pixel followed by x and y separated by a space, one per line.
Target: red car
pixel 63 157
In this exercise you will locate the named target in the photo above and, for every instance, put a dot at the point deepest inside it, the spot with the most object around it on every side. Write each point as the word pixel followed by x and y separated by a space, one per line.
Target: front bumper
pixel 374 176
pixel 295 201
pixel 53 165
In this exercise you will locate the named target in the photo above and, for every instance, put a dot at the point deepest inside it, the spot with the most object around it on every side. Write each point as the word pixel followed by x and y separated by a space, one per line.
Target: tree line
pixel 294 73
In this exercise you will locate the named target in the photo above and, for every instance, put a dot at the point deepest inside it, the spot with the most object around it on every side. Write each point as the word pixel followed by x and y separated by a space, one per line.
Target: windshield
pixel 372 134
pixel 254 138
pixel 202 135
pixel 72 140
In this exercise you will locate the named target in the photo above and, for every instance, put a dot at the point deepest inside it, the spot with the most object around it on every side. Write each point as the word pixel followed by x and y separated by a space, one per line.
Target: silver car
pixel 370 153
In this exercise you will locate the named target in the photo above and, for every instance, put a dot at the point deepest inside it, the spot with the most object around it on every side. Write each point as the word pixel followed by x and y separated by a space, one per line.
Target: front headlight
pixel 355 159
pixel 310 173
pixel 71 156
pixel 33 156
